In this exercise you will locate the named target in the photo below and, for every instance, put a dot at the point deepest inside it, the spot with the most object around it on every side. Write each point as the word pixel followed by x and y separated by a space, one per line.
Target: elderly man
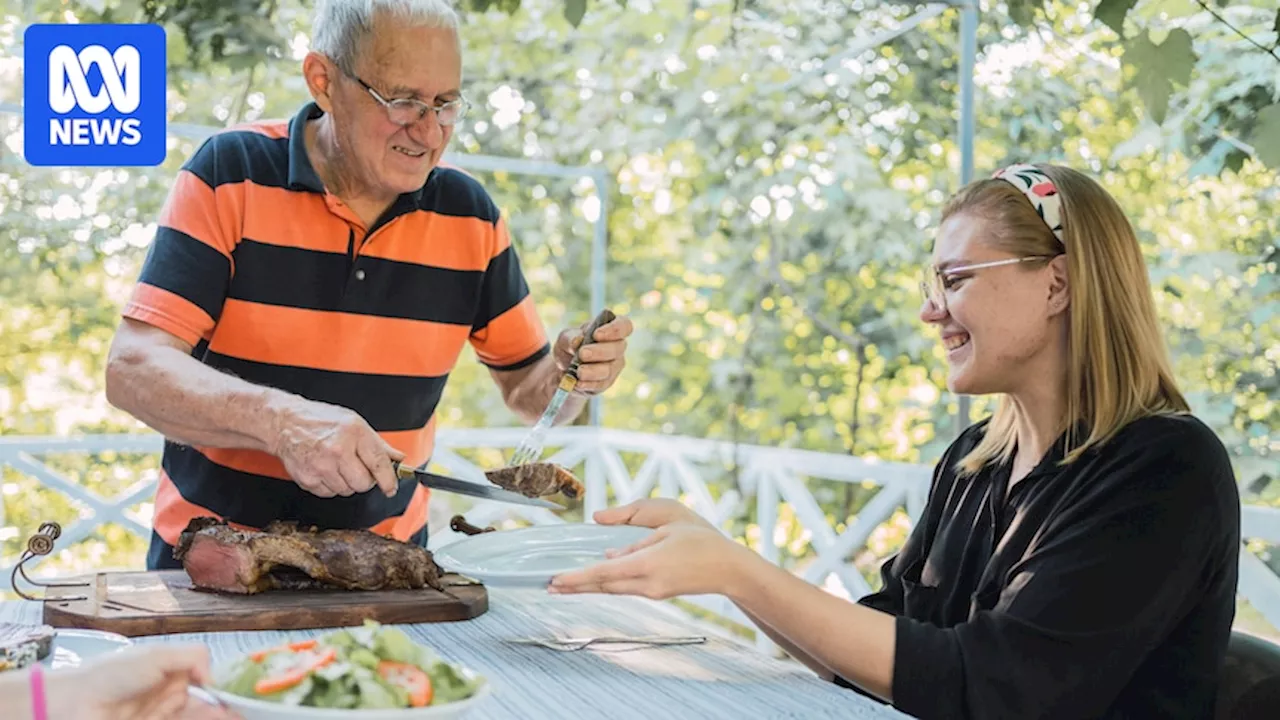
pixel 312 284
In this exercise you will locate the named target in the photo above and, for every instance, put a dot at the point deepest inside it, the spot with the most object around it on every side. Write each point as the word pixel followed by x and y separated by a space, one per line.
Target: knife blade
pixel 463 487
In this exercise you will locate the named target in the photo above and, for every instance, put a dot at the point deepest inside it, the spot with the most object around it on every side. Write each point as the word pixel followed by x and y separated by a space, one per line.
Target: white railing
pixel 668 466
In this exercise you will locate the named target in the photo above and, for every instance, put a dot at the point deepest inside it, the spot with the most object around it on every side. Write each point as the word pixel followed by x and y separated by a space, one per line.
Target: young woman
pixel 1077 555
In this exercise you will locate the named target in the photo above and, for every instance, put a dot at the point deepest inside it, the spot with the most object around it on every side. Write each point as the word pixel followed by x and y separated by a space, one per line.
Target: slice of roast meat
pixel 281 556
pixel 536 480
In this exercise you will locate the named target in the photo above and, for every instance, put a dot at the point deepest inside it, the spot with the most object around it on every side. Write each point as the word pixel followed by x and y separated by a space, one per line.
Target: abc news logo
pixel 69 89
pixel 95 95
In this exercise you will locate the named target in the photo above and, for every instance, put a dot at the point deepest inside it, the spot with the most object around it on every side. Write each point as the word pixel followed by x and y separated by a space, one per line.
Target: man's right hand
pixel 331 450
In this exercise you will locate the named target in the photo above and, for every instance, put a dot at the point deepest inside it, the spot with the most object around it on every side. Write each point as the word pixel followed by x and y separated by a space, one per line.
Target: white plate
pixel 72 647
pixel 532 556
pixel 251 709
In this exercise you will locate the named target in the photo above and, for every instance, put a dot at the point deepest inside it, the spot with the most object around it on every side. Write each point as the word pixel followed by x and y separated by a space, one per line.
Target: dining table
pixel 724 677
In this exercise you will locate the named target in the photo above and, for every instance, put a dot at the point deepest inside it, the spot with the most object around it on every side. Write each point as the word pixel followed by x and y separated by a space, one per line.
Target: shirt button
pixel 359 274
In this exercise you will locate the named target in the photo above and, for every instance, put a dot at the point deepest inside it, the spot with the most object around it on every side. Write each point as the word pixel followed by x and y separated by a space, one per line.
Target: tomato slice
pixel 410 677
pixel 307 662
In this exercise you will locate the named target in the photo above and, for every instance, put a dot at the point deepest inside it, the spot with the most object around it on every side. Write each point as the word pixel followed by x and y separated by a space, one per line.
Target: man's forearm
pixel 853 641
pixel 190 402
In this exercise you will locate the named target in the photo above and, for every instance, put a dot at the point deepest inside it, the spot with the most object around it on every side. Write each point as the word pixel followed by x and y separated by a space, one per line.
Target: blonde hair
pixel 1118 368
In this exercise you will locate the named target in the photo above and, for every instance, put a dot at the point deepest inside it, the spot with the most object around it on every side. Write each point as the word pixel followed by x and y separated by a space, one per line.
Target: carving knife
pixel 463 487
pixel 531 447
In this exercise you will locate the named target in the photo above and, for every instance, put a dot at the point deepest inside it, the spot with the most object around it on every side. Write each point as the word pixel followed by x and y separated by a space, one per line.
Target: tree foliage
pixel 1167 45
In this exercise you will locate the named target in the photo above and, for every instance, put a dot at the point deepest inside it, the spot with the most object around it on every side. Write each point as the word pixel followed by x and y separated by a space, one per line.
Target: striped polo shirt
pixel 275 281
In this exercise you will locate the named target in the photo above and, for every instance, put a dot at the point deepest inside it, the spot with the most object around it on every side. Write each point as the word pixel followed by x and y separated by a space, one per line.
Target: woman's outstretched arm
pixel 825 631
pixel 855 642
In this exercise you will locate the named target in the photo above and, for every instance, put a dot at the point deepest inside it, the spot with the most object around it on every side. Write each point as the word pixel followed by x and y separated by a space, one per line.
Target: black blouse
pixel 1102 589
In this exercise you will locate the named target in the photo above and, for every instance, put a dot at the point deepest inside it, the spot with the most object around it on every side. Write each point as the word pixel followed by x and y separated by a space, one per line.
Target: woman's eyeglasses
pixel 937 282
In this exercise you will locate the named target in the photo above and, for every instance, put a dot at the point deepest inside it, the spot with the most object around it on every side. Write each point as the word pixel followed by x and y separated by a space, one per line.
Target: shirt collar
pixel 1056 452
pixel 302 174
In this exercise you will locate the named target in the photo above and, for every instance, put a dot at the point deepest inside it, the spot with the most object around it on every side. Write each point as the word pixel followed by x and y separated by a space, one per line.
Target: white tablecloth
pixel 724 678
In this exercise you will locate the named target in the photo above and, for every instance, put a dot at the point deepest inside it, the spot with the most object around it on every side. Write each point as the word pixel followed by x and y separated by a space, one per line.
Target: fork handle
pixel 605 317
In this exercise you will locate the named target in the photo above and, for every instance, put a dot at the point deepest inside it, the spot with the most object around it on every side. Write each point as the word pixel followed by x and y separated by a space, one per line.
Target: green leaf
pixel 1179 56
pixel 1158 67
pixel 574 10
pixel 1112 12
pixel 1235 160
pixel 1266 135
pixel 1023 12
pixel 1276 26
pixel 1162 11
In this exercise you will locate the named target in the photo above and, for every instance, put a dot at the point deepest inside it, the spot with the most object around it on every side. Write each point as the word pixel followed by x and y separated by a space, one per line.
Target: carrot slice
pixel 295 646
pixel 410 677
pixel 294 675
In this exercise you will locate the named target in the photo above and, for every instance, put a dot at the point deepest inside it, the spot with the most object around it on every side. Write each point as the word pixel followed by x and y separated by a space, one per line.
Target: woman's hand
pixel 144 682
pixel 679 558
pixel 651 513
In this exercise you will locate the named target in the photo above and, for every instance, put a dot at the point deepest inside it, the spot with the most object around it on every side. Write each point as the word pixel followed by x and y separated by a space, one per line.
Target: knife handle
pixel 605 317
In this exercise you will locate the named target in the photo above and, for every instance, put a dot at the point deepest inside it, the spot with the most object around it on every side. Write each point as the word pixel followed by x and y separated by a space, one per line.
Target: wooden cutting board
pixel 162 602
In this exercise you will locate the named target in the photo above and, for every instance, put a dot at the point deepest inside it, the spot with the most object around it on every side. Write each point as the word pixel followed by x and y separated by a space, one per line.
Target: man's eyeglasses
pixel 404 111
pixel 936 283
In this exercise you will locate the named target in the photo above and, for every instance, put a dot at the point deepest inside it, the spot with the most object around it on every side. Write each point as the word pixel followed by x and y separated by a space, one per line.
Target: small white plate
pixel 251 709
pixel 532 556
pixel 72 647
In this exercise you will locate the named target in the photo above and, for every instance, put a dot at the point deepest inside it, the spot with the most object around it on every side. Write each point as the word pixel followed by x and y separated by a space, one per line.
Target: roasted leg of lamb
pixel 219 557
pixel 536 480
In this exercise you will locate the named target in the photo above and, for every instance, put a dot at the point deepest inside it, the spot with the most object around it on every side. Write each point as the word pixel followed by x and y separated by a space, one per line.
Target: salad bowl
pixel 370 672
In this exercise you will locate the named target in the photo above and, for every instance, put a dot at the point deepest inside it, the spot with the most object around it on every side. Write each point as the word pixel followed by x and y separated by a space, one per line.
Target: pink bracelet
pixel 37 693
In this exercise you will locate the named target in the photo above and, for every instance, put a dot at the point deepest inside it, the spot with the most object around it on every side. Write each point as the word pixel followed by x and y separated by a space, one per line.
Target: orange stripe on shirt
pixel 308 224
pixel 305 338
pixel 410 521
pixel 512 336
pixel 275 128
pixel 173 512
pixel 428 238
pixel 502 236
pixel 208 215
pixel 172 313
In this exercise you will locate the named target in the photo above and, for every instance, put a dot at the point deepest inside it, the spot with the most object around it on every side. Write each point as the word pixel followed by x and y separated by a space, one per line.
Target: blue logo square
pixel 94 95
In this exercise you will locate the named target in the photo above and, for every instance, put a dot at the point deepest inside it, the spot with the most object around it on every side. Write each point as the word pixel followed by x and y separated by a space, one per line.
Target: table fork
pixel 530 448
pixel 204 693
pixel 576 644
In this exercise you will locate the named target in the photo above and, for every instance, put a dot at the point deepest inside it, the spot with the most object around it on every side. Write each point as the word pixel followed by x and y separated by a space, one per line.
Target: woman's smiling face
pixel 995 320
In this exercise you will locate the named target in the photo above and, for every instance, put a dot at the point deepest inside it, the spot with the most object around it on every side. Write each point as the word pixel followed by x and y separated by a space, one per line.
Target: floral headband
pixel 1040 190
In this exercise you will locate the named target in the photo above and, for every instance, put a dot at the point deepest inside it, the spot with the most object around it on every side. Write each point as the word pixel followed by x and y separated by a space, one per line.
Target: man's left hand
pixel 600 362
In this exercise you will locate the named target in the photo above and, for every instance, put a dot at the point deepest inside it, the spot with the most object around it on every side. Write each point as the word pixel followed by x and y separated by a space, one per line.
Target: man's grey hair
pixel 340 27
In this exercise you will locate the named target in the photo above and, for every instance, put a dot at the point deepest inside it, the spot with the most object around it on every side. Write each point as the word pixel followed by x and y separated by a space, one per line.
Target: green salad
pixel 366 668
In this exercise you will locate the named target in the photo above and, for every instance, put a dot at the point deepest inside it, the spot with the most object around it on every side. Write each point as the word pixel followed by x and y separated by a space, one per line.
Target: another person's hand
pixel 650 513
pixel 331 450
pixel 144 682
pixel 677 559
pixel 599 363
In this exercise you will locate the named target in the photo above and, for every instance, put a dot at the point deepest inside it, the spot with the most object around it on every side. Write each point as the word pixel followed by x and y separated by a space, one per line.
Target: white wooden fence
pixel 768 479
